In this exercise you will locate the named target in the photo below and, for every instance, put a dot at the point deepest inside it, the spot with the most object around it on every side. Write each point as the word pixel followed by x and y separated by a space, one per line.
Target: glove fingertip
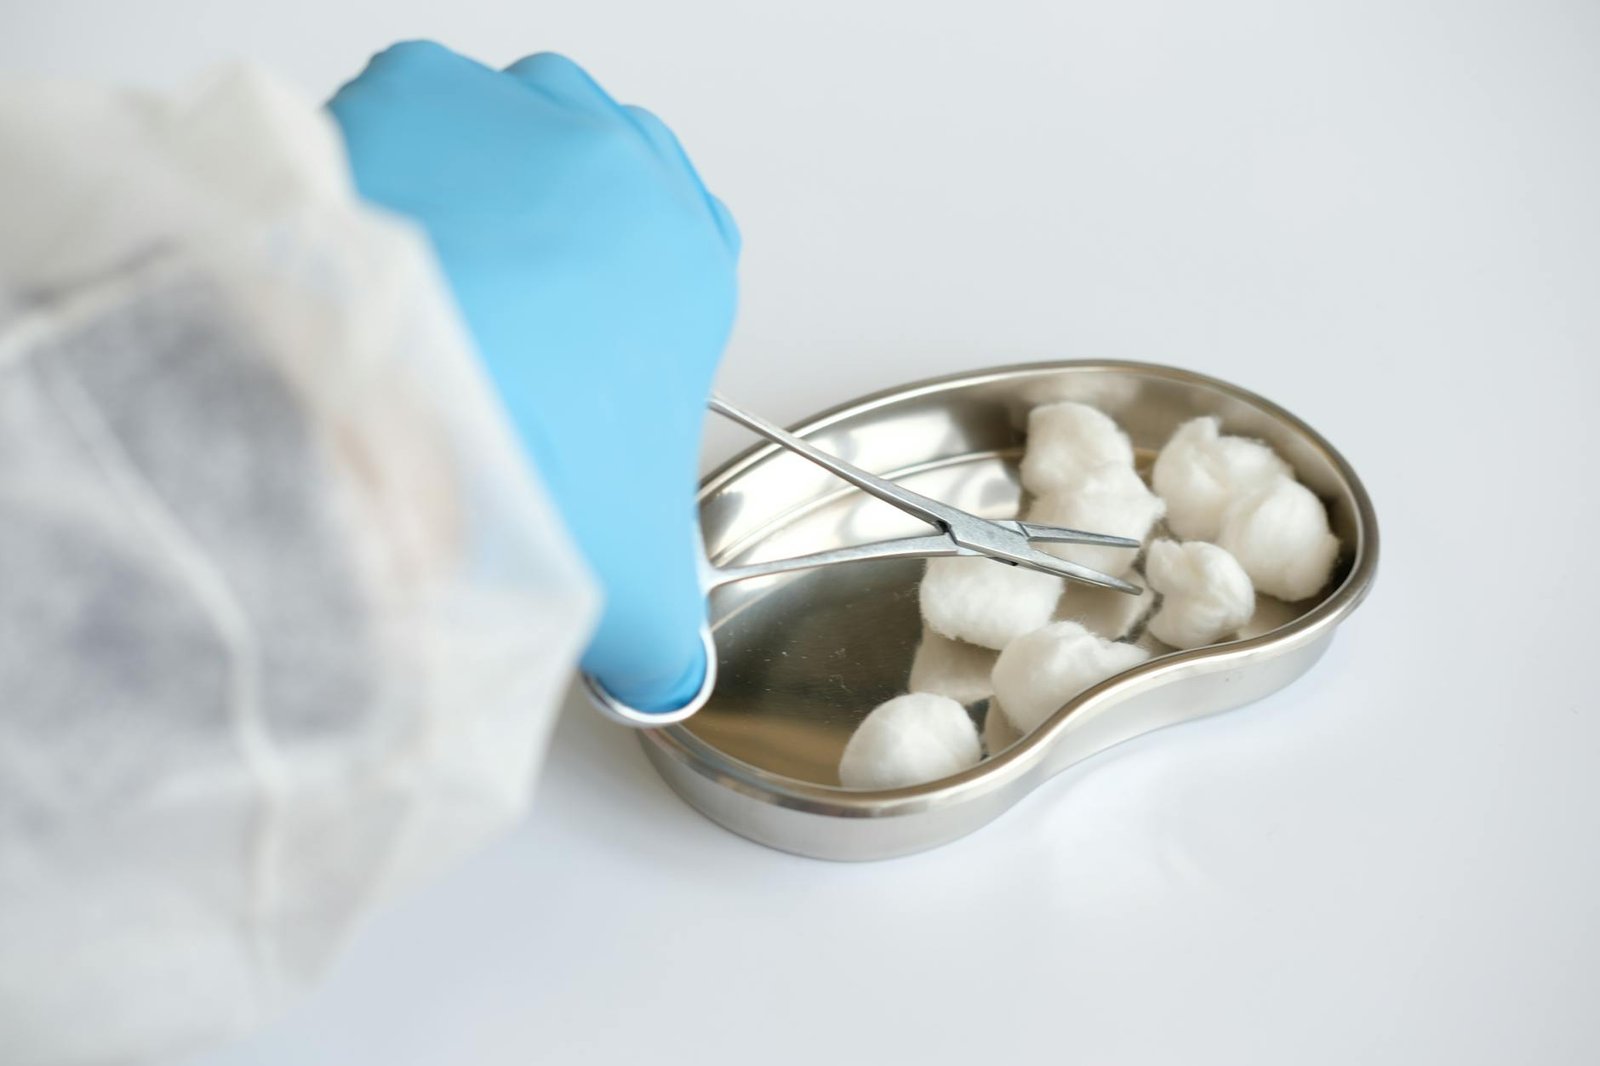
pixel 412 55
pixel 561 80
pixel 678 694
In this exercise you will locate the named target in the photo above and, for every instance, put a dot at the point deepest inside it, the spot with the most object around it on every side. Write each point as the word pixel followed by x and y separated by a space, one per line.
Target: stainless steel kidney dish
pixel 804 656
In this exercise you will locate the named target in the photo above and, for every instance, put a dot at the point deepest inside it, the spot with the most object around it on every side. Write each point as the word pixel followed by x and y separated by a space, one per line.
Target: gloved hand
pixel 597 276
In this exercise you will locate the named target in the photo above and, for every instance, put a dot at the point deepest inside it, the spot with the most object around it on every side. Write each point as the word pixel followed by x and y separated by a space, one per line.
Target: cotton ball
pixel 953 668
pixel 1109 499
pixel 998 732
pixel 1039 672
pixel 1280 536
pixel 909 740
pixel 1065 442
pixel 1199 473
pixel 1104 612
pixel 982 601
pixel 1206 595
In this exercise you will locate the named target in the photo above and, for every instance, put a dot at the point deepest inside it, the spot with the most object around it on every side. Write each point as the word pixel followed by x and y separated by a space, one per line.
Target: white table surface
pixel 1383 216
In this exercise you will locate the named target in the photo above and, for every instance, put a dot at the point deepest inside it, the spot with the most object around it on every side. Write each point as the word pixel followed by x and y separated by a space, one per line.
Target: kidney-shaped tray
pixel 804 656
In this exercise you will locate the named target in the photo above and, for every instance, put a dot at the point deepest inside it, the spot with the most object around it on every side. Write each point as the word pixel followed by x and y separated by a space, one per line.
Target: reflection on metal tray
pixel 804 656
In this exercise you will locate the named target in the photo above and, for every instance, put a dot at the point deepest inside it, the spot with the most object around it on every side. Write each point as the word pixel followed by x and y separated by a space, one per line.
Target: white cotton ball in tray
pixel 1109 499
pixel 1280 536
pixel 1200 472
pixel 1104 612
pixel 985 602
pixel 998 732
pixel 1041 671
pixel 1205 594
pixel 909 740
pixel 1065 442
pixel 953 668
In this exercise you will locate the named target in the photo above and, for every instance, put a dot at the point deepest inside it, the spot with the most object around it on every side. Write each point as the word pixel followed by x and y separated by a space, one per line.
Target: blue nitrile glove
pixel 597 277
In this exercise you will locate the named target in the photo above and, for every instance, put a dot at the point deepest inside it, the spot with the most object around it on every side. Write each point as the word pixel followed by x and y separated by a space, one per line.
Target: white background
pixel 1382 215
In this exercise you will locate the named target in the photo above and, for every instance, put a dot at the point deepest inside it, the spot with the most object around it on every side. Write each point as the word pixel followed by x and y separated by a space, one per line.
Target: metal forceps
pixel 959 533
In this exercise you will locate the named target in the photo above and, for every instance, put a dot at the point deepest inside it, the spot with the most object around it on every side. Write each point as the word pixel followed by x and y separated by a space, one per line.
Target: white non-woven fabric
pixel 285 617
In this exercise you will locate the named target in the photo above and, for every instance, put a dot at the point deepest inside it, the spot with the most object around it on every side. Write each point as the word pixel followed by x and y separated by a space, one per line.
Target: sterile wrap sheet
pixel 284 617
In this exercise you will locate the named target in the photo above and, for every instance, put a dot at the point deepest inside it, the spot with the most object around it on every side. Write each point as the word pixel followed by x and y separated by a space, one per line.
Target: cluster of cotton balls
pixel 1247 525
pixel 1238 494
